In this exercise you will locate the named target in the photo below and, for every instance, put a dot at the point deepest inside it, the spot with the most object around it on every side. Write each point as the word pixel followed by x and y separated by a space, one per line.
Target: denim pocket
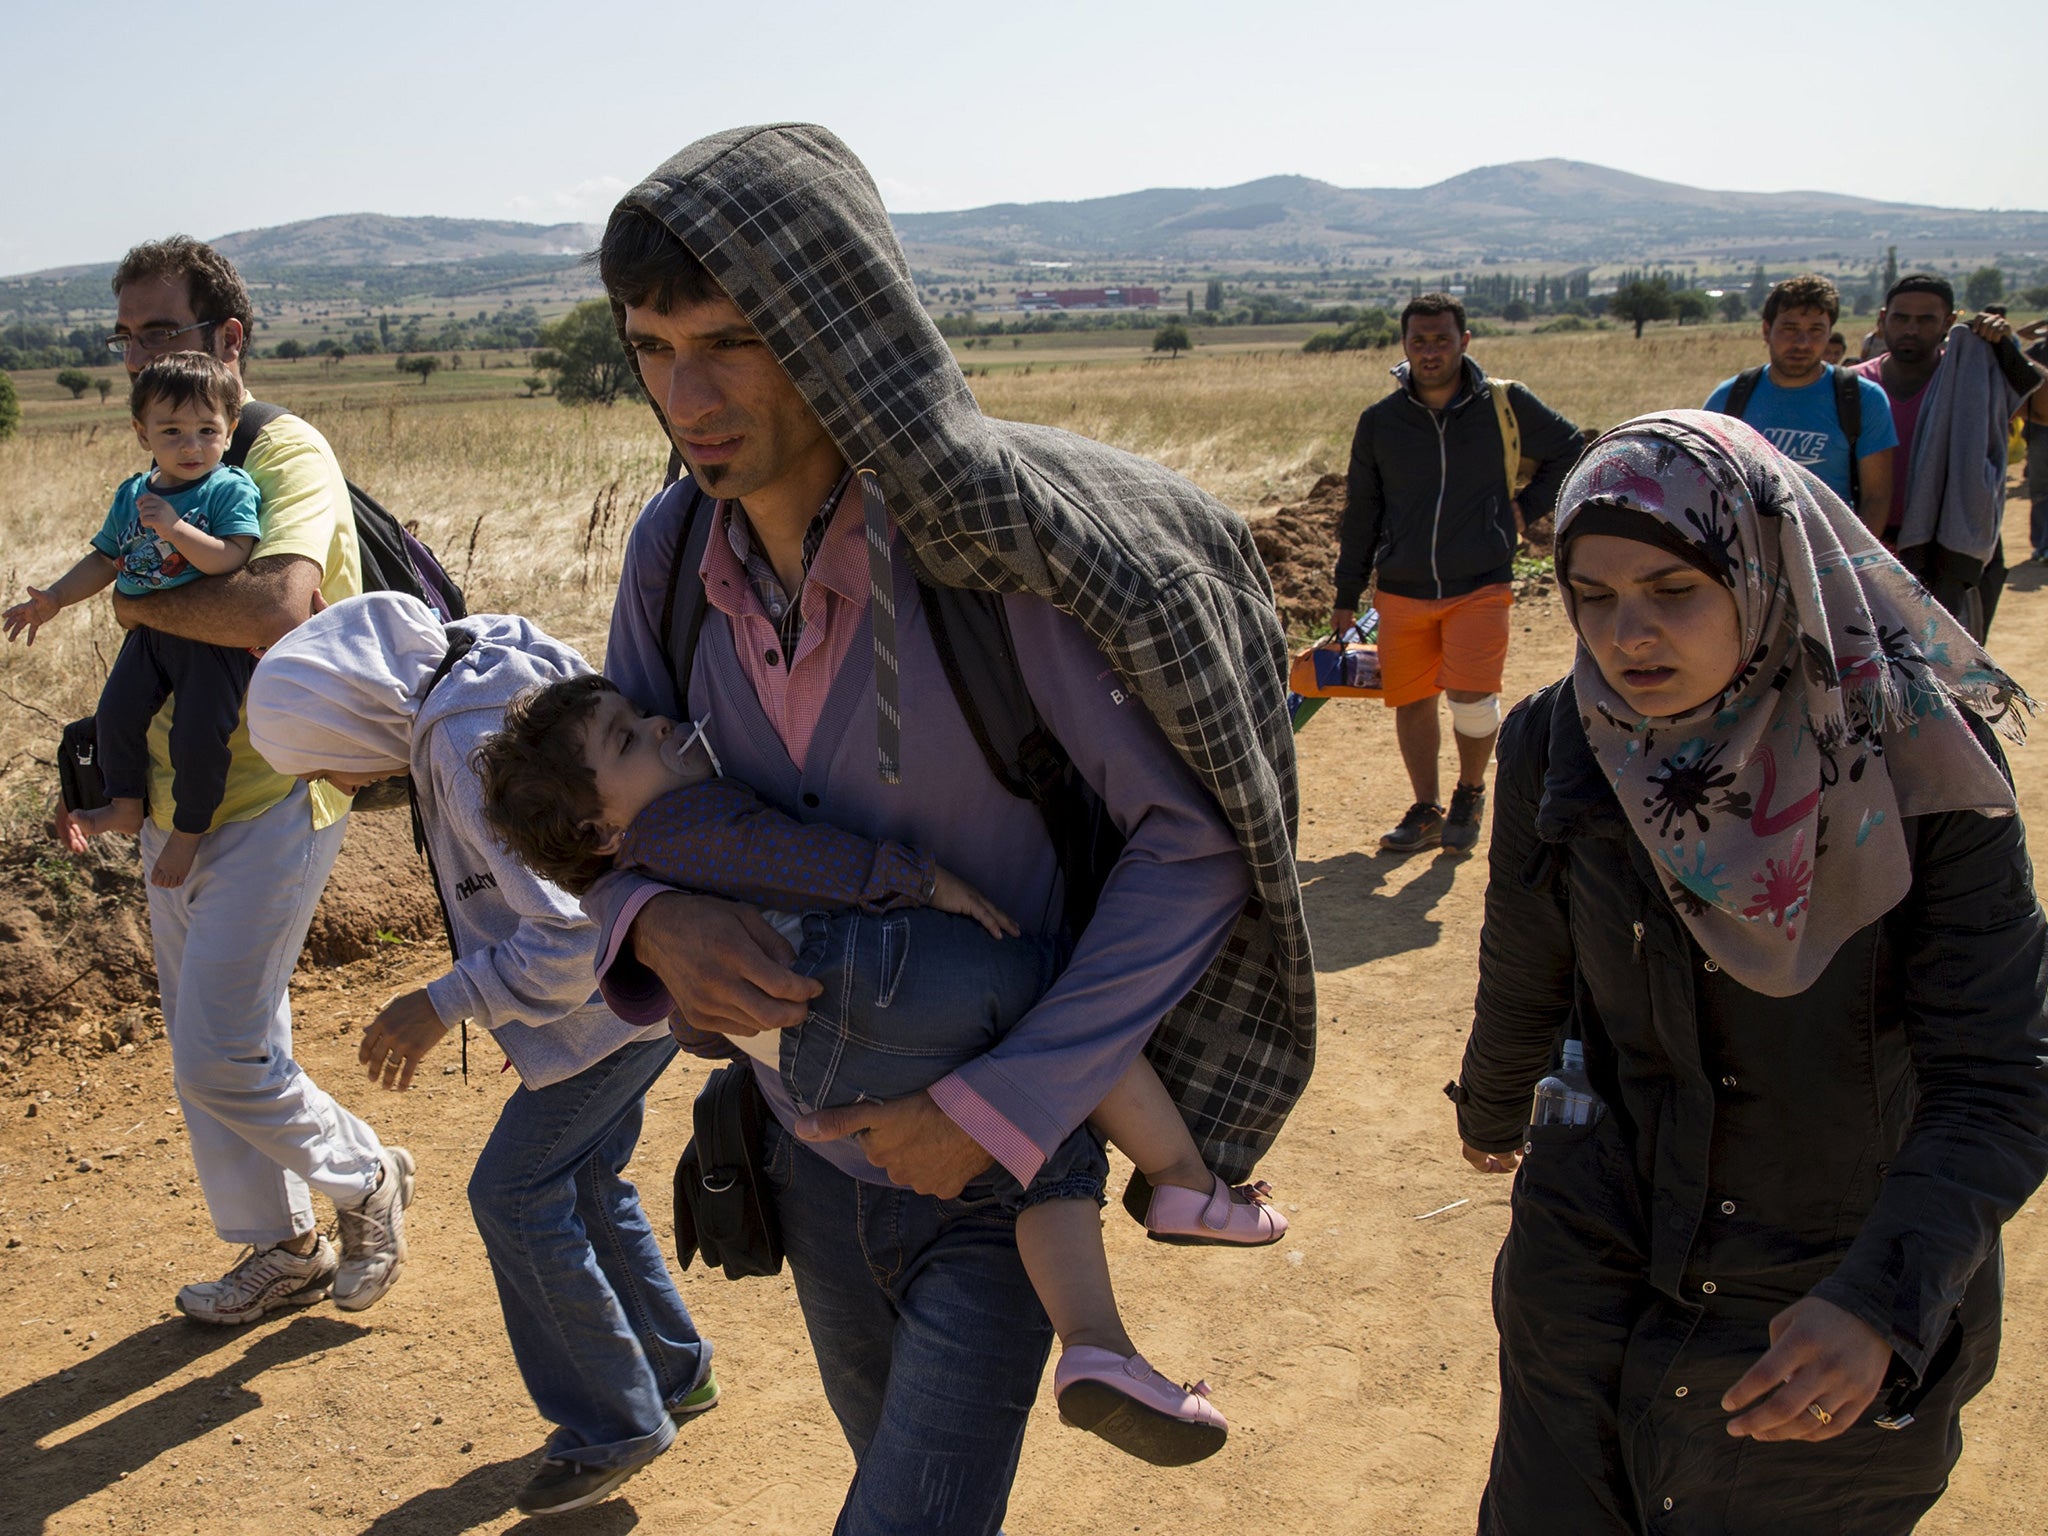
pixel 895 945
pixel 778 1156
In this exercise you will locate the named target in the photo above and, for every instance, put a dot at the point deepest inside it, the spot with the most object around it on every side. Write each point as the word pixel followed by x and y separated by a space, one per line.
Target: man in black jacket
pixel 1432 509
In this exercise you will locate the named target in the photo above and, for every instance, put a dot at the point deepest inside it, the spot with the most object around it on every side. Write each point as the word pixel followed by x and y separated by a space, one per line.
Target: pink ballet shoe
pixel 1178 1215
pixel 1137 1410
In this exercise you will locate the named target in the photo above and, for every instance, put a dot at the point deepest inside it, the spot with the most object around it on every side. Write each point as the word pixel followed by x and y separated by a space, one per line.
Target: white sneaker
pixel 266 1279
pixel 373 1236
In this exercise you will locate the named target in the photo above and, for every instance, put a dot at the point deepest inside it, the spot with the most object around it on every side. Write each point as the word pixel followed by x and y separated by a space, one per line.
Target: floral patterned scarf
pixel 1774 810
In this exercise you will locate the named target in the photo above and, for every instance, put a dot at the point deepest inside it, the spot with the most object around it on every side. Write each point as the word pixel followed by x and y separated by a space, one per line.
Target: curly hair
pixel 1806 291
pixel 187 378
pixel 210 279
pixel 540 796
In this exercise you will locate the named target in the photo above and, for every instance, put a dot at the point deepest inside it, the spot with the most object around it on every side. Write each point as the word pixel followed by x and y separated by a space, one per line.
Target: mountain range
pixel 1561 213
pixel 1533 210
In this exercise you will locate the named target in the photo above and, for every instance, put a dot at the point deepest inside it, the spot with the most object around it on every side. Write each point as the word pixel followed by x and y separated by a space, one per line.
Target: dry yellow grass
pixel 528 503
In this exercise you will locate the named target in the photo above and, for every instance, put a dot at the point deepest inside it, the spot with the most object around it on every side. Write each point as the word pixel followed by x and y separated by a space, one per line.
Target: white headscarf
pixel 339 693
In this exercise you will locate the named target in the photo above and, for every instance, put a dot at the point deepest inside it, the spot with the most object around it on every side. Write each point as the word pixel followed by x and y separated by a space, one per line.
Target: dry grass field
pixel 527 502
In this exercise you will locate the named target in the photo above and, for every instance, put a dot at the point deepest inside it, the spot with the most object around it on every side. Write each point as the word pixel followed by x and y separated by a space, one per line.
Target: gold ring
pixel 1820 1413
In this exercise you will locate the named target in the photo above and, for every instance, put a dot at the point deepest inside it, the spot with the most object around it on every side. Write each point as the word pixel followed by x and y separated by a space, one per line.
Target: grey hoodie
pixel 1164 578
pixel 1956 496
pixel 525 969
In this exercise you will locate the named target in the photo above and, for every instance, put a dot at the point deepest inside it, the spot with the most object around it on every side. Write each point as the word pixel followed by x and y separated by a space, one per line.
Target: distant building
pixel 1087 298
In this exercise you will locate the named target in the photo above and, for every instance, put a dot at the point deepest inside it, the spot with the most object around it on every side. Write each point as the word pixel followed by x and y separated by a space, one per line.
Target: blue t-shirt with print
pixel 1803 425
pixel 223 504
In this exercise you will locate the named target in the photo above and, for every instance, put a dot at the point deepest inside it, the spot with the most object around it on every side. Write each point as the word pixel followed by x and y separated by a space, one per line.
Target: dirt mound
pixel 1299 546
pixel 76 972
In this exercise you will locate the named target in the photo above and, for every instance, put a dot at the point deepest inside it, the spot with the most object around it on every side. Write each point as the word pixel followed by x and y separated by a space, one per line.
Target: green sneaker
pixel 700 1399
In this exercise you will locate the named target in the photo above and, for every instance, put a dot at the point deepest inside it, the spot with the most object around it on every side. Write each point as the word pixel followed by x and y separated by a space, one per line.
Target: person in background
pixel 1432 511
pixel 1951 510
pixel 2035 435
pixel 1808 410
pixel 1837 349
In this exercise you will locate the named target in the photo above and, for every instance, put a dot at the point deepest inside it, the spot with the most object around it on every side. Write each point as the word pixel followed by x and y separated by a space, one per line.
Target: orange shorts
pixel 1429 645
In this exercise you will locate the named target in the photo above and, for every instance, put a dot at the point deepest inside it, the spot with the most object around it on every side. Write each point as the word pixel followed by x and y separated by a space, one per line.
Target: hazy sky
pixel 122 121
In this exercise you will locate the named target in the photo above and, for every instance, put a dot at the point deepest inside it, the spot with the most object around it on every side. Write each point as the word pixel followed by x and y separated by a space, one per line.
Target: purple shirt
pixel 1165 910
pixel 1905 417
pixel 717 837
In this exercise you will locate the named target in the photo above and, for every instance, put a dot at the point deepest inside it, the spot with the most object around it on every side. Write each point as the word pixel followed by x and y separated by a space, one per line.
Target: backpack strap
pixel 1510 430
pixel 971 633
pixel 1740 391
pixel 460 643
pixel 256 415
pixel 1849 412
pixel 682 608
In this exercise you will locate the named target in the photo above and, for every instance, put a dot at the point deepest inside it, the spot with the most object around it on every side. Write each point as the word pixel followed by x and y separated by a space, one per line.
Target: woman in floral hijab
pixel 1760 855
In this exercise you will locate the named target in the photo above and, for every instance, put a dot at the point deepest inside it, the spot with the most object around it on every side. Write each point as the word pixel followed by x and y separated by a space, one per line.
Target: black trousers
pixel 209 681
pixel 1610 1415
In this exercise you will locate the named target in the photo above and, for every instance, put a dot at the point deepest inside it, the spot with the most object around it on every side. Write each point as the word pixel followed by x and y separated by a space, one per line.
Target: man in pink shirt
pixel 807 355
pixel 1919 310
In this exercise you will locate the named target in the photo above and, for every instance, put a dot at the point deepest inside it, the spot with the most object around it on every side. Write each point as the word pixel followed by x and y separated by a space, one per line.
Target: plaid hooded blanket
pixel 1163 577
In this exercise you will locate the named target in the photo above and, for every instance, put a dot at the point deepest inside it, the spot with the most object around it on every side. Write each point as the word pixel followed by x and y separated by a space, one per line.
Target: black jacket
pixel 1429 507
pixel 1863 1141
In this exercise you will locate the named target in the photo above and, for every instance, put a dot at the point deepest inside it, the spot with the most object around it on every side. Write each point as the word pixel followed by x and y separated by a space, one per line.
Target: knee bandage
pixel 1479 718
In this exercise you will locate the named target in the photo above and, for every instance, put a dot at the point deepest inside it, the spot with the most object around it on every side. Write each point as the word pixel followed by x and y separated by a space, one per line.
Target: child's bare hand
pixel 405 1029
pixel 31 615
pixel 156 514
pixel 952 894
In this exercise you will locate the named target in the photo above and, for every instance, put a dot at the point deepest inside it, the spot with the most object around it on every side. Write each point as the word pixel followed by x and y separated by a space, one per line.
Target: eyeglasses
pixel 154 338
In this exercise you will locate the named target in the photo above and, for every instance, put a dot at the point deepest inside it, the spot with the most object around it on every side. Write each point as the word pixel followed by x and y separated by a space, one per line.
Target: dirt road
pixel 1356 1360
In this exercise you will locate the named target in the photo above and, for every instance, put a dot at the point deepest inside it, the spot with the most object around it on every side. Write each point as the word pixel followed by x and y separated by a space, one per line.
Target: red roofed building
pixel 1087 298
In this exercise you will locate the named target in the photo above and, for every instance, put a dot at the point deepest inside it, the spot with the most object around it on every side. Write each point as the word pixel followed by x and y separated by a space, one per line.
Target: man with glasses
pixel 264 1135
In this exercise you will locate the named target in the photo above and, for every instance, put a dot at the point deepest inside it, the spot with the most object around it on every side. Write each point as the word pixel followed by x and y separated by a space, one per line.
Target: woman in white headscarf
pixel 375 688
pixel 1760 857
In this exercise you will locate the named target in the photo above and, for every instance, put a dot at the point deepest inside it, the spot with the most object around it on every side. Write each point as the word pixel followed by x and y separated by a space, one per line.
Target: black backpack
pixel 972 636
pixel 393 559
pixel 1848 412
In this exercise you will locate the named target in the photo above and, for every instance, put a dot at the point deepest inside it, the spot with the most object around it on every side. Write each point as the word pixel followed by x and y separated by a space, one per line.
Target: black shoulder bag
pixel 724 1210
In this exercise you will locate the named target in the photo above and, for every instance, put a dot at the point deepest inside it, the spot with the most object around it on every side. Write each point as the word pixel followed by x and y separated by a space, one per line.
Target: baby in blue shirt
pixel 188 516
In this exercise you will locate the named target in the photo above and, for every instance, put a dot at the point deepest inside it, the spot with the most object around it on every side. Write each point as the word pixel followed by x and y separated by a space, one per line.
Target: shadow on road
pixel 47 1478
pixel 1353 919
pixel 482 1495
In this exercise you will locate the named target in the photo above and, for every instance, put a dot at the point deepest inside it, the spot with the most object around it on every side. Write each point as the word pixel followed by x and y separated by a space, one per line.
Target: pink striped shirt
pixel 834 596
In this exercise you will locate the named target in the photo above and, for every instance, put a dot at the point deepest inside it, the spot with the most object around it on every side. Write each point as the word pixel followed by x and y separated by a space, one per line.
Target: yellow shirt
pixel 305 512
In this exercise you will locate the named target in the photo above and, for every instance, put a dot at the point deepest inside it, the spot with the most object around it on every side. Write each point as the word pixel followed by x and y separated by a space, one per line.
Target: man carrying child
pixel 780 338
pixel 264 1136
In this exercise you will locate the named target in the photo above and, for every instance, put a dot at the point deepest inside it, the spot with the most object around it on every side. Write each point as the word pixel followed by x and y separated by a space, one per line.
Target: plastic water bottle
pixel 1566 1097
pixel 1361 669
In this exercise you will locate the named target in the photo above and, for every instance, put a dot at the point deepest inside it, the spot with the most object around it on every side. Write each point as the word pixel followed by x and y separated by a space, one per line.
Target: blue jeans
pixel 909 996
pixel 601 1336
pixel 2037 485
pixel 929 1339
